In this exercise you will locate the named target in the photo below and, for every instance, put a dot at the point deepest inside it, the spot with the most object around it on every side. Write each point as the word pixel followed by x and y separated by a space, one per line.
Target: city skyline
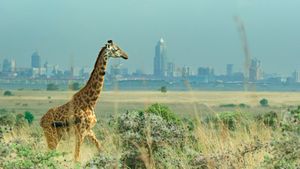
pixel 38 61
pixel 166 70
pixel 159 52
pixel 202 33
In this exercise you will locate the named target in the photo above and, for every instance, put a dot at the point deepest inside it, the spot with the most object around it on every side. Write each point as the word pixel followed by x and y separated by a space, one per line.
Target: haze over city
pixel 197 33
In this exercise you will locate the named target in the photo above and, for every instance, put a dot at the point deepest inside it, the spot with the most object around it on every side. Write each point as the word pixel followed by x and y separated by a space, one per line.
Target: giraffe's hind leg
pixel 79 140
pixel 91 135
pixel 52 137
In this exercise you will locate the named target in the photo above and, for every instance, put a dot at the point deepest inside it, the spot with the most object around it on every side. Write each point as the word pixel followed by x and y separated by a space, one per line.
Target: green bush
pixel 230 119
pixel 103 160
pixel 264 102
pixel 228 105
pixel 26 157
pixel 29 117
pixel 285 149
pixel 163 89
pixel 3 111
pixel 148 131
pixel 291 122
pixel 241 105
pixel 52 87
pixel 164 112
pixel 269 119
pixel 74 86
pixel 8 93
pixel 7 119
pixel 21 121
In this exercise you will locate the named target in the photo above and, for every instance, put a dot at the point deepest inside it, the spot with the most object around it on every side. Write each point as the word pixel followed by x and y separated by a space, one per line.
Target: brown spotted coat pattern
pixel 78 113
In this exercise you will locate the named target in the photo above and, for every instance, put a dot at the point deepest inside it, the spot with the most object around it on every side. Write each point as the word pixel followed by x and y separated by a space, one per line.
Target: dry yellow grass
pixel 209 98
pixel 191 102
pixel 194 103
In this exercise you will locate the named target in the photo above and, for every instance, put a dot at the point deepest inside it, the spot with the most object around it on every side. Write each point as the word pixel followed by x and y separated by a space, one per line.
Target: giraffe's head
pixel 114 51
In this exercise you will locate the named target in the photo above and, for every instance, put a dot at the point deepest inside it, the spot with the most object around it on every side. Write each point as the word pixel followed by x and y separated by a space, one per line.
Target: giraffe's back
pixel 61 113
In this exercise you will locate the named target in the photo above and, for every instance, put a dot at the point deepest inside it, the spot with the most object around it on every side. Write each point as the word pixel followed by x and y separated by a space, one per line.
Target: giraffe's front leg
pixel 91 135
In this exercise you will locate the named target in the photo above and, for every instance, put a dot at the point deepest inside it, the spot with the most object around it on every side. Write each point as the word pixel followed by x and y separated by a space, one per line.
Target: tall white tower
pixel 160 59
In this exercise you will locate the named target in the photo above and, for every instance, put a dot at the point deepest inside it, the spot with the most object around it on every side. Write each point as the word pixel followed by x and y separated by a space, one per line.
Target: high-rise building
pixel 9 66
pixel 13 65
pixel 205 71
pixel 206 74
pixel 186 71
pixel 160 59
pixel 6 66
pixel 296 76
pixel 229 70
pixel 170 69
pixel 35 60
pixel 255 72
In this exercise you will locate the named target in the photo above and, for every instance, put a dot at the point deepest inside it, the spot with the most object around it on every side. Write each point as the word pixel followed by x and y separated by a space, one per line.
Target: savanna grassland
pixel 191 129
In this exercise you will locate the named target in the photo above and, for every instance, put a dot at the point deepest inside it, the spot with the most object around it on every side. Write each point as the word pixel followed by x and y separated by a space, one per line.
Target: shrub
pixel 26 157
pixel 74 86
pixel 291 122
pixel 29 117
pixel 8 93
pixel 148 132
pixel 21 121
pixel 52 87
pixel 285 153
pixel 25 104
pixel 285 150
pixel 163 89
pixel 269 119
pixel 228 105
pixel 2 111
pixel 241 105
pixel 164 112
pixel 103 160
pixel 230 119
pixel 8 119
pixel 264 102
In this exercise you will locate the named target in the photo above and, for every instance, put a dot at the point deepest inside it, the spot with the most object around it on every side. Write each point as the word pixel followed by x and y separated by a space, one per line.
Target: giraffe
pixel 78 113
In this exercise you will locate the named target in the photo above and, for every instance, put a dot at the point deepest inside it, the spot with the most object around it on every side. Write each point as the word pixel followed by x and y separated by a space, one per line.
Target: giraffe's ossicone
pixel 78 113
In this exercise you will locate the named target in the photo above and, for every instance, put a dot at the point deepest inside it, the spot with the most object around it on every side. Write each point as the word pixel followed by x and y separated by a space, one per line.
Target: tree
pixel 29 117
pixel 74 86
pixel 163 89
pixel 264 102
pixel 7 93
pixel 52 87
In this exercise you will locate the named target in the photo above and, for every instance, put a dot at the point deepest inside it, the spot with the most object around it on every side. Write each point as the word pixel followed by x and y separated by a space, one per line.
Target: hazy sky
pixel 197 32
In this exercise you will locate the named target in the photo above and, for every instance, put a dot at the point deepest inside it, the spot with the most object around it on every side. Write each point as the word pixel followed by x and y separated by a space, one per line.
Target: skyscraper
pixel 170 69
pixel 296 76
pixel 229 70
pixel 9 66
pixel 160 59
pixel 35 60
pixel 255 72
pixel 6 67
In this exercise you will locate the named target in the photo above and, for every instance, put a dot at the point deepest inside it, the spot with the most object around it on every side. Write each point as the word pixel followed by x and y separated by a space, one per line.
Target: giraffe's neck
pixel 89 94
